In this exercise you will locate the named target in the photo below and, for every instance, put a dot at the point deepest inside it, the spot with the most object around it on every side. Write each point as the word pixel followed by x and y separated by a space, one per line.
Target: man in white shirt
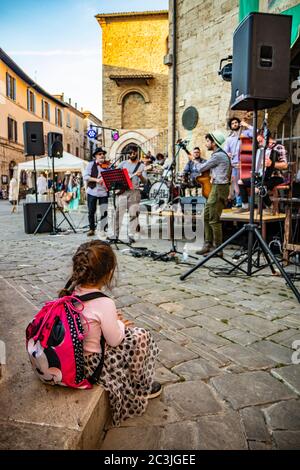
pixel 130 199
pixel 42 184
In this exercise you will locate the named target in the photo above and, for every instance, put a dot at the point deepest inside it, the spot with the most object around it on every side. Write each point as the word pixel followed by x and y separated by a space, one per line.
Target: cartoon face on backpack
pixel 45 362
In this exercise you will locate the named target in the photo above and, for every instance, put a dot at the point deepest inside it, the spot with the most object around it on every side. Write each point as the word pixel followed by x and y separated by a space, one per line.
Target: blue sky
pixel 58 42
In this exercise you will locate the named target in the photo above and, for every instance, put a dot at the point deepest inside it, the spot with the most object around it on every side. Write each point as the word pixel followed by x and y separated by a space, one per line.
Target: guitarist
pixel 130 199
pixel 220 166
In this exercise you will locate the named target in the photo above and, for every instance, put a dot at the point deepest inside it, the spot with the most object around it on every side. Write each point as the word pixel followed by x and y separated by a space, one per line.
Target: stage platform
pixel 229 215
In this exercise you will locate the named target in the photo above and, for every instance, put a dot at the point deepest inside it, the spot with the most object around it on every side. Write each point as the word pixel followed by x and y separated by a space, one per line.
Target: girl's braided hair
pixel 93 262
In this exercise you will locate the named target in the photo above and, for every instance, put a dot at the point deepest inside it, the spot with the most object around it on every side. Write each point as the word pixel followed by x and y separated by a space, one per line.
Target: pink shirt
pixel 100 316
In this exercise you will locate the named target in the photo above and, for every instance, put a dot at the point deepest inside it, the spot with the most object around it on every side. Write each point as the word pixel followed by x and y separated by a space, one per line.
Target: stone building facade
pixel 135 79
pixel 204 36
pixel 73 128
pixel 21 99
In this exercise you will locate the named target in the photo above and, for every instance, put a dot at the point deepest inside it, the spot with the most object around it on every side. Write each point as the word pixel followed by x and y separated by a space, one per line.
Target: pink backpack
pixel 54 342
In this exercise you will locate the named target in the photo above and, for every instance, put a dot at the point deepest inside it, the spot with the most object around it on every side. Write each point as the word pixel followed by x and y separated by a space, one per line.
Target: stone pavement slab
pixel 172 355
pixel 240 337
pixel 196 370
pixel 284 415
pixel 136 438
pixel 255 425
pixel 246 357
pixel 191 399
pixel 287 440
pixel 290 375
pixel 222 431
pixel 256 325
pixel 204 336
pixel 250 389
pixel 279 354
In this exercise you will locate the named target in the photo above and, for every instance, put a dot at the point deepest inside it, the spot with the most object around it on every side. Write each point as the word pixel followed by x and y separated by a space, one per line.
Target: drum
pixel 159 191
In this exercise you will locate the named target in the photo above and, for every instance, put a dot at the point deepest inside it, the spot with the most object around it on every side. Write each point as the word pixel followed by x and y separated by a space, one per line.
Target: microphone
pixel 182 144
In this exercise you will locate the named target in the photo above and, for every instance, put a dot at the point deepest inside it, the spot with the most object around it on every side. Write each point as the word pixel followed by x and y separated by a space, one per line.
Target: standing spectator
pixel 13 194
pixel 42 184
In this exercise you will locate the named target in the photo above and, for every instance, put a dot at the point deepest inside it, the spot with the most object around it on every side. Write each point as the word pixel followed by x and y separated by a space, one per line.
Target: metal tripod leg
pixel 213 253
pixel 66 218
pixel 278 265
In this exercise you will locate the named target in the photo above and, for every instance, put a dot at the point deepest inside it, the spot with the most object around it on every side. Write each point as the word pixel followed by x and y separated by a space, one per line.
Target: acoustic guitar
pixel 203 180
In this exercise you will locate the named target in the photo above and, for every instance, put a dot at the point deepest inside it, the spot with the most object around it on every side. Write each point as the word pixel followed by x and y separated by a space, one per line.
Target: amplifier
pixel 34 213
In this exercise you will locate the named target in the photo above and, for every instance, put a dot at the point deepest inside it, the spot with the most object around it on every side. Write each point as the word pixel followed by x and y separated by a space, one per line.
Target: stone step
pixel 34 415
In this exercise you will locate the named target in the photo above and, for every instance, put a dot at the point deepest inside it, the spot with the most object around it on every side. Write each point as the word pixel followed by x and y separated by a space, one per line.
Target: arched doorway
pixel 126 149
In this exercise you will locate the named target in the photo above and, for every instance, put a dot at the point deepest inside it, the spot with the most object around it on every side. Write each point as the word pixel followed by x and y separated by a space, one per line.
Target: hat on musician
pixel 218 138
pixel 99 150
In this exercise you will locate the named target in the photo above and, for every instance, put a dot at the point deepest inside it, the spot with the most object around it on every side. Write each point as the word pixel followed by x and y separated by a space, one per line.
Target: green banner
pixel 295 12
pixel 248 6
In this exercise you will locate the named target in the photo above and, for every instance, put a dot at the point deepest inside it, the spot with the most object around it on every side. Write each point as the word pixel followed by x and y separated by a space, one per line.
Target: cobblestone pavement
pixel 226 344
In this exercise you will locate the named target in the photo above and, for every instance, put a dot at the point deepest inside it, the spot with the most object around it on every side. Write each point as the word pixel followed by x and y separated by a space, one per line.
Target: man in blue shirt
pixel 191 168
pixel 96 191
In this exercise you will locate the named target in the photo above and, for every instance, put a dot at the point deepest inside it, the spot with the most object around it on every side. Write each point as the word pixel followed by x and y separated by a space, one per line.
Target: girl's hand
pixel 128 323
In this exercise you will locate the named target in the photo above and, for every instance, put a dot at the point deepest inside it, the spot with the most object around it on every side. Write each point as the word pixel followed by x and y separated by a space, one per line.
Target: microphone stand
pixel 173 251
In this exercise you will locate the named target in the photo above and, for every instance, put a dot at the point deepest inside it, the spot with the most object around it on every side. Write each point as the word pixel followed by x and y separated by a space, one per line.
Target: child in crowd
pixel 130 352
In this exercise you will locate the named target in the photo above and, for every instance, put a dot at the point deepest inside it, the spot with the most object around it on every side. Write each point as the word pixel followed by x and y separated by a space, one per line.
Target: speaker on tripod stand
pixel 55 150
pixel 260 79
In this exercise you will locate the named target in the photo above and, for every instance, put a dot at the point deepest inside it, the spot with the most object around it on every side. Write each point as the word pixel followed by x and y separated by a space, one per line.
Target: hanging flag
pixel 248 6
pixel 295 13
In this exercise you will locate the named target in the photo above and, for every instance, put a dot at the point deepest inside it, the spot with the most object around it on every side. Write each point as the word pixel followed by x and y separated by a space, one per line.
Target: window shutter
pixel 61 118
pixel 9 128
pixel 7 85
pixel 49 116
pixel 34 102
pixel 15 89
pixel 56 116
pixel 43 112
pixel 16 131
pixel 28 99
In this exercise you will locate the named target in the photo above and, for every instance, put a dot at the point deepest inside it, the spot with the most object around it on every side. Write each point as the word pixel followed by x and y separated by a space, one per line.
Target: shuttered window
pixel 12 130
pixel 10 87
pixel 31 101
pixel 58 117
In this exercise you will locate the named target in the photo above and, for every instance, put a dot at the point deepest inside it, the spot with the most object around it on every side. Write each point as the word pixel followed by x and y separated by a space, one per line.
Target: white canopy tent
pixel 67 163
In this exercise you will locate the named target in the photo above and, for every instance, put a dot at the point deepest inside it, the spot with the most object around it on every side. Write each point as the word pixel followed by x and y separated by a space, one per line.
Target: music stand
pixel 117 180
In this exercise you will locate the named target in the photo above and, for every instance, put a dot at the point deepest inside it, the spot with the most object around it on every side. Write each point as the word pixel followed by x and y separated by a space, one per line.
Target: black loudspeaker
pixel 261 61
pixel 33 138
pixel 33 214
pixel 55 145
